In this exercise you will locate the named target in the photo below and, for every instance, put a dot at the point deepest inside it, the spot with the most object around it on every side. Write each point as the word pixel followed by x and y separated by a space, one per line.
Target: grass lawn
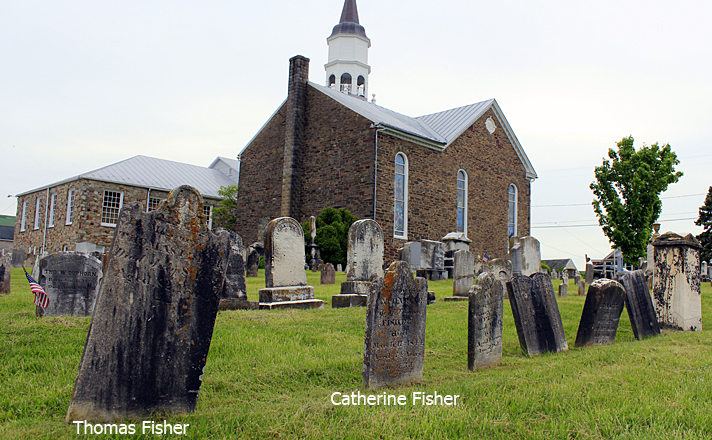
pixel 270 374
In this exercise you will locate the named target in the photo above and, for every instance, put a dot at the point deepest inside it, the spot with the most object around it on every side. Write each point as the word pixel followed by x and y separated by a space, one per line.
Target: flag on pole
pixel 485 258
pixel 41 299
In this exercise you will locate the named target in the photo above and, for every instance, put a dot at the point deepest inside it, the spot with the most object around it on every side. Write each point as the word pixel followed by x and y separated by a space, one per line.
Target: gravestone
pixel 589 273
pixel 153 320
pixel 254 253
pixel 328 274
pixel 502 271
pixel 285 277
pixel 581 288
pixel 394 345
pixel 577 278
pixel 484 323
pixel 515 257
pixel 703 269
pixel 364 262
pixel 71 281
pixel 18 257
pixel 639 304
pixel 234 292
pixel 463 274
pixel 601 313
pixel 5 266
pixel 563 289
pixel 453 242
pixel 554 274
pixel 313 252
pixel 531 255
pixel 564 278
pixel 676 282
pixel 536 314
pixel 339 268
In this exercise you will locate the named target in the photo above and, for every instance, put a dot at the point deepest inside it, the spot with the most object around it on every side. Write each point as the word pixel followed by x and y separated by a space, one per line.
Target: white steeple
pixel 348 69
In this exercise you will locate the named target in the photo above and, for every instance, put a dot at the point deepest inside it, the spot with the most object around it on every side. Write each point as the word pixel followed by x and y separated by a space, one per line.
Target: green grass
pixel 270 375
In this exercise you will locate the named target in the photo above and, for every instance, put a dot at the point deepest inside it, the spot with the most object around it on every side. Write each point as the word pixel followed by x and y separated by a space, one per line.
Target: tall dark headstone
pixel 639 304
pixel 71 281
pixel 18 257
pixel 536 314
pixel 328 274
pixel 254 252
pixel 153 321
pixel 5 266
pixel 601 313
pixel 234 292
pixel 395 328
pixel 484 323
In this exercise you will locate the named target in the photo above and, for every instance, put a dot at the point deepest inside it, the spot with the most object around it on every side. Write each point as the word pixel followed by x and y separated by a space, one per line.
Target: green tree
pixel 332 234
pixel 627 191
pixel 225 215
pixel 705 220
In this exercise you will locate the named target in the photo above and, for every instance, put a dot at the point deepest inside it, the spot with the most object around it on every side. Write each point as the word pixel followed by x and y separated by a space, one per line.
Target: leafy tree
pixel 627 191
pixel 705 220
pixel 332 234
pixel 225 215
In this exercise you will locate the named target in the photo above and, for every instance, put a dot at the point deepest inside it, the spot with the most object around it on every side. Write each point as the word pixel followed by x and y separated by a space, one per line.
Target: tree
pixel 225 215
pixel 332 234
pixel 627 191
pixel 705 220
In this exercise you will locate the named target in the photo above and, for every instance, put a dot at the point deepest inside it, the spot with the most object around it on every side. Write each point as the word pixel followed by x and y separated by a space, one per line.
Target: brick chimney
pixel 294 131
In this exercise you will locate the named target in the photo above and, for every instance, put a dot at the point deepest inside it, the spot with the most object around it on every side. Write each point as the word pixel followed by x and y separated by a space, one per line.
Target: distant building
pixel 460 170
pixel 7 232
pixel 80 213
pixel 561 265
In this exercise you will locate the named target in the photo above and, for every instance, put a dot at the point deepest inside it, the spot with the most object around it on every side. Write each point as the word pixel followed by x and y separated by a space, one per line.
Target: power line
pixel 557 249
pixel 579 239
pixel 589 204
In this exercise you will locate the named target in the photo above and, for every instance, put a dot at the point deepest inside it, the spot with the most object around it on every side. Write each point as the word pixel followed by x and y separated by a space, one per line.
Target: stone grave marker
pixel 71 281
pixel 676 282
pixel 328 274
pixel 364 262
pixel 581 288
pixel 589 273
pixel 502 271
pixel 484 323
pixel 285 276
pixel 5 266
pixel 531 255
pixel 254 252
pixel 339 268
pixel 577 278
pixel 536 314
pixel 18 257
pixel 234 292
pixel 639 304
pixel 153 321
pixel 563 289
pixel 601 313
pixel 463 275
pixel 394 345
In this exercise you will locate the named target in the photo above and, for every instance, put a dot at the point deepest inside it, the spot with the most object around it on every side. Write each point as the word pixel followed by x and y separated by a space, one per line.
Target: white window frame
pixel 209 215
pixel 23 218
pixel 70 207
pixel 465 211
pixel 404 235
pixel 52 203
pixel 38 203
pixel 103 201
pixel 512 217
pixel 148 203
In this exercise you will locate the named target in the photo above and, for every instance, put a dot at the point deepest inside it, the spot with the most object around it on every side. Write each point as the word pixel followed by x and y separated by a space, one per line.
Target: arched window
pixel 346 83
pixel 462 202
pixel 400 209
pixel 361 85
pixel 512 212
pixel 332 80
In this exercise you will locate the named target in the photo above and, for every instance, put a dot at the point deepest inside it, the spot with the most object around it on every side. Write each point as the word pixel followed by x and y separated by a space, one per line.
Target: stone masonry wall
pixel 86 221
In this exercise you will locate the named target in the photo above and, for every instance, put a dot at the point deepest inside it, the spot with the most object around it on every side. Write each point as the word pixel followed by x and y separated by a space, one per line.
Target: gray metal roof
pixel 436 130
pixel 151 172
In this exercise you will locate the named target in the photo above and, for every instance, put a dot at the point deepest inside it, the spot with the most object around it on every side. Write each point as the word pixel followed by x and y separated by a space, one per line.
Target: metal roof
pixel 232 163
pixel 436 130
pixel 151 172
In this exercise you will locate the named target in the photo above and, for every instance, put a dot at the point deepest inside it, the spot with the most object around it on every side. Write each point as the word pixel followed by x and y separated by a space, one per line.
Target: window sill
pixel 109 225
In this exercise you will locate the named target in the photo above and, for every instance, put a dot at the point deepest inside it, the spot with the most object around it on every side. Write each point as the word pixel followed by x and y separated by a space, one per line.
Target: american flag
pixel 485 258
pixel 41 299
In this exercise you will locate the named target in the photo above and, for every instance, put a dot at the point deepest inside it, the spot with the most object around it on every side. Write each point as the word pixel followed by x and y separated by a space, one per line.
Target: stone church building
pixel 460 170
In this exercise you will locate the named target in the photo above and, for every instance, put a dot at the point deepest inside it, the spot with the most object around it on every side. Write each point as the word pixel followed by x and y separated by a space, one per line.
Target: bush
pixel 332 234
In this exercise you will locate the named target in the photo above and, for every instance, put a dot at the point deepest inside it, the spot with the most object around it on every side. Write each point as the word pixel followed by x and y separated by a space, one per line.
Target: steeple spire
pixel 350 13
pixel 349 23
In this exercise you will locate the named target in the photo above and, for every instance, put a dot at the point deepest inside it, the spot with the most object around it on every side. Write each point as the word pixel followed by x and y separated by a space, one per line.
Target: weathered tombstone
pixel 18 257
pixel 453 242
pixel 328 274
pixel 515 257
pixel 339 268
pixel 601 313
pixel 463 273
pixel 581 288
pixel 153 320
pixel 577 278
pixel 563 289
pixel 564 278
pixel 254 252
pixel 285 277
pixel 313 252
pixel 502 271
pixel 395 329
pixel 703 269
pixel 676 282
pixel 554 274
pixel 589 273
pixel 71 281
pixel 531 255
pixel 5 266
pixel 484 323
pixel 536 314
pixel 234 292
pixel 364 262
pixel 639 304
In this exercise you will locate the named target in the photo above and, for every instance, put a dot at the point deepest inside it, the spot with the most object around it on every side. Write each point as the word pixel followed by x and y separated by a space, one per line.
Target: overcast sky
pixel 84 84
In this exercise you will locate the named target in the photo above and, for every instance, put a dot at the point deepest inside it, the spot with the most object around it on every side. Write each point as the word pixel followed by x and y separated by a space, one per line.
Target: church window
pixel 70 207
pixel 512 217
pixel 208 213
pixel 361 86
pixel 400 210
pixel 38 203
pixel 52 202
pixel 23 218
pixel 346 83
pixel 332 81
pixel 113 200
pixel 462 202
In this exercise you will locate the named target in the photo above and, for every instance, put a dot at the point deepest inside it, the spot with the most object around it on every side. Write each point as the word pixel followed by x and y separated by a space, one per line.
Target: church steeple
pixel 348 69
